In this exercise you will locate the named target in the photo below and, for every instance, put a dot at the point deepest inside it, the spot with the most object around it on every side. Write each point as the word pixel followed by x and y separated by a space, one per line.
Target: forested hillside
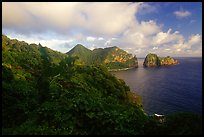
pixel 45 92
pixel 111 57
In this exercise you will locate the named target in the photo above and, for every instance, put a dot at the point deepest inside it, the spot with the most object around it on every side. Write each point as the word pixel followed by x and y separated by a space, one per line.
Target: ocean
pixel 167 89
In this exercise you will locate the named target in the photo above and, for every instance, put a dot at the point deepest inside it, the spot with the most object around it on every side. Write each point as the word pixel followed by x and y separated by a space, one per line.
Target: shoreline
pixel 115 70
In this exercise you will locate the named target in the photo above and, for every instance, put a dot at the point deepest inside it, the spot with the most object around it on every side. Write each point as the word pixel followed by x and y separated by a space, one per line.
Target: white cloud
pixel 90 38
pixel 61 25
pixel 139 35
pixel 178 50
pixel 149 27
pixel 166 37
pixel 182 14
pixel 107 43
pixel 195 39
pixel 113 38
pixel 96 18
pixel 100 38
pixel 188 47
pixel 138 50
pixel 155 48
pixel 62 44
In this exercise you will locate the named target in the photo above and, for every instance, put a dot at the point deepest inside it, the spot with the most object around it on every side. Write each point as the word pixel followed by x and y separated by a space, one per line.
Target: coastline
pixel 122 69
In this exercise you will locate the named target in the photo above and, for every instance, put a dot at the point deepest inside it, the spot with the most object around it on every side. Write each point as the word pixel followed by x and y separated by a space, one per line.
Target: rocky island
pixel 152 60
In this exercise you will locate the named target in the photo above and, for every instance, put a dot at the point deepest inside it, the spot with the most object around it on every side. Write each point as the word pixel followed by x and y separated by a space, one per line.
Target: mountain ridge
pixel 45 93
pixel 112 57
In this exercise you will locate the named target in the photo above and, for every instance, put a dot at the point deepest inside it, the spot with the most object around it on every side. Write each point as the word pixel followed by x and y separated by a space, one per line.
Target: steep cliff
pixel 112 57
pixel 152 60
pixel 168 61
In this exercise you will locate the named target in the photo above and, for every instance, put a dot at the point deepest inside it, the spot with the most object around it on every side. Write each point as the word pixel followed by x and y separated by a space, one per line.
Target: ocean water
pixel 167 89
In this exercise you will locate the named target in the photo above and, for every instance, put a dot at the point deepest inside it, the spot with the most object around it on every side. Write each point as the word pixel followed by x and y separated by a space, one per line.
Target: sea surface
pixel 167 89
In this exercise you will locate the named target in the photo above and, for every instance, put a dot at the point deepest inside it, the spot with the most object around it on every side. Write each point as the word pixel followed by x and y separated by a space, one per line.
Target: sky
pixel 164 28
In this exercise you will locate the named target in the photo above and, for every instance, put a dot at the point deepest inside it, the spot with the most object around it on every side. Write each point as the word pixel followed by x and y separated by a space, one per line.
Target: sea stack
pixel 152 60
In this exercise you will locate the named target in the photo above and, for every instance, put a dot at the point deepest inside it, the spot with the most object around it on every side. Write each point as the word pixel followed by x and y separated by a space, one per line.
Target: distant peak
pixel 78 48
pixel 114 47
pixel 79 45
pixel 39 45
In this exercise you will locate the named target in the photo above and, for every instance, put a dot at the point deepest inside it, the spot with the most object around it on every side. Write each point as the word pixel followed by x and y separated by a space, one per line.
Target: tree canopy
pixel 45 92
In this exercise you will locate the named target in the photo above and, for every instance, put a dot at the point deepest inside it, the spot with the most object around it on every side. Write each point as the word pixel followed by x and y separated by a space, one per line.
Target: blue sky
pixel 164 28
pixel 163 14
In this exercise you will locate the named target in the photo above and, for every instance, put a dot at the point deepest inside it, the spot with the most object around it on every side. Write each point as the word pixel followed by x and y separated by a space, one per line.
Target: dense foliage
pixel 83 53
pixel 168 61
pixel 45 92
pixel 151 60
pixel 112 57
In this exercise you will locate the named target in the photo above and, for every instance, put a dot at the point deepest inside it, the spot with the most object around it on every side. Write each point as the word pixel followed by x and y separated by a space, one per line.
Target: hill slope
pixel 20 53
pixel 45 93
pixel 112 57
pixel 82 52
pixel 40 96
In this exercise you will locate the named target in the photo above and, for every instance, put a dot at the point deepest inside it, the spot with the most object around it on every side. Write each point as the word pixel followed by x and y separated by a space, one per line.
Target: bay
pixel 167 89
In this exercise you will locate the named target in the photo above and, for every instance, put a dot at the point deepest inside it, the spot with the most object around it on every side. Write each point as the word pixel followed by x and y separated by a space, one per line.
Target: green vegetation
pixel 83 53
pixel 152 60
pixel 112 57
pixel 168 61
pixel 45 92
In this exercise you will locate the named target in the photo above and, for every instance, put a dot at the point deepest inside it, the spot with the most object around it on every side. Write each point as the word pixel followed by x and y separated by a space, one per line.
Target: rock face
pixel 112 57
pixel 116 58
pixel 168 61
pixel 152 60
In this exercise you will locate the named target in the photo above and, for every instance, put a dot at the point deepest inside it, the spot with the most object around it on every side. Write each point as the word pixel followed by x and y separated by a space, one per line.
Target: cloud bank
pixel 61 26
